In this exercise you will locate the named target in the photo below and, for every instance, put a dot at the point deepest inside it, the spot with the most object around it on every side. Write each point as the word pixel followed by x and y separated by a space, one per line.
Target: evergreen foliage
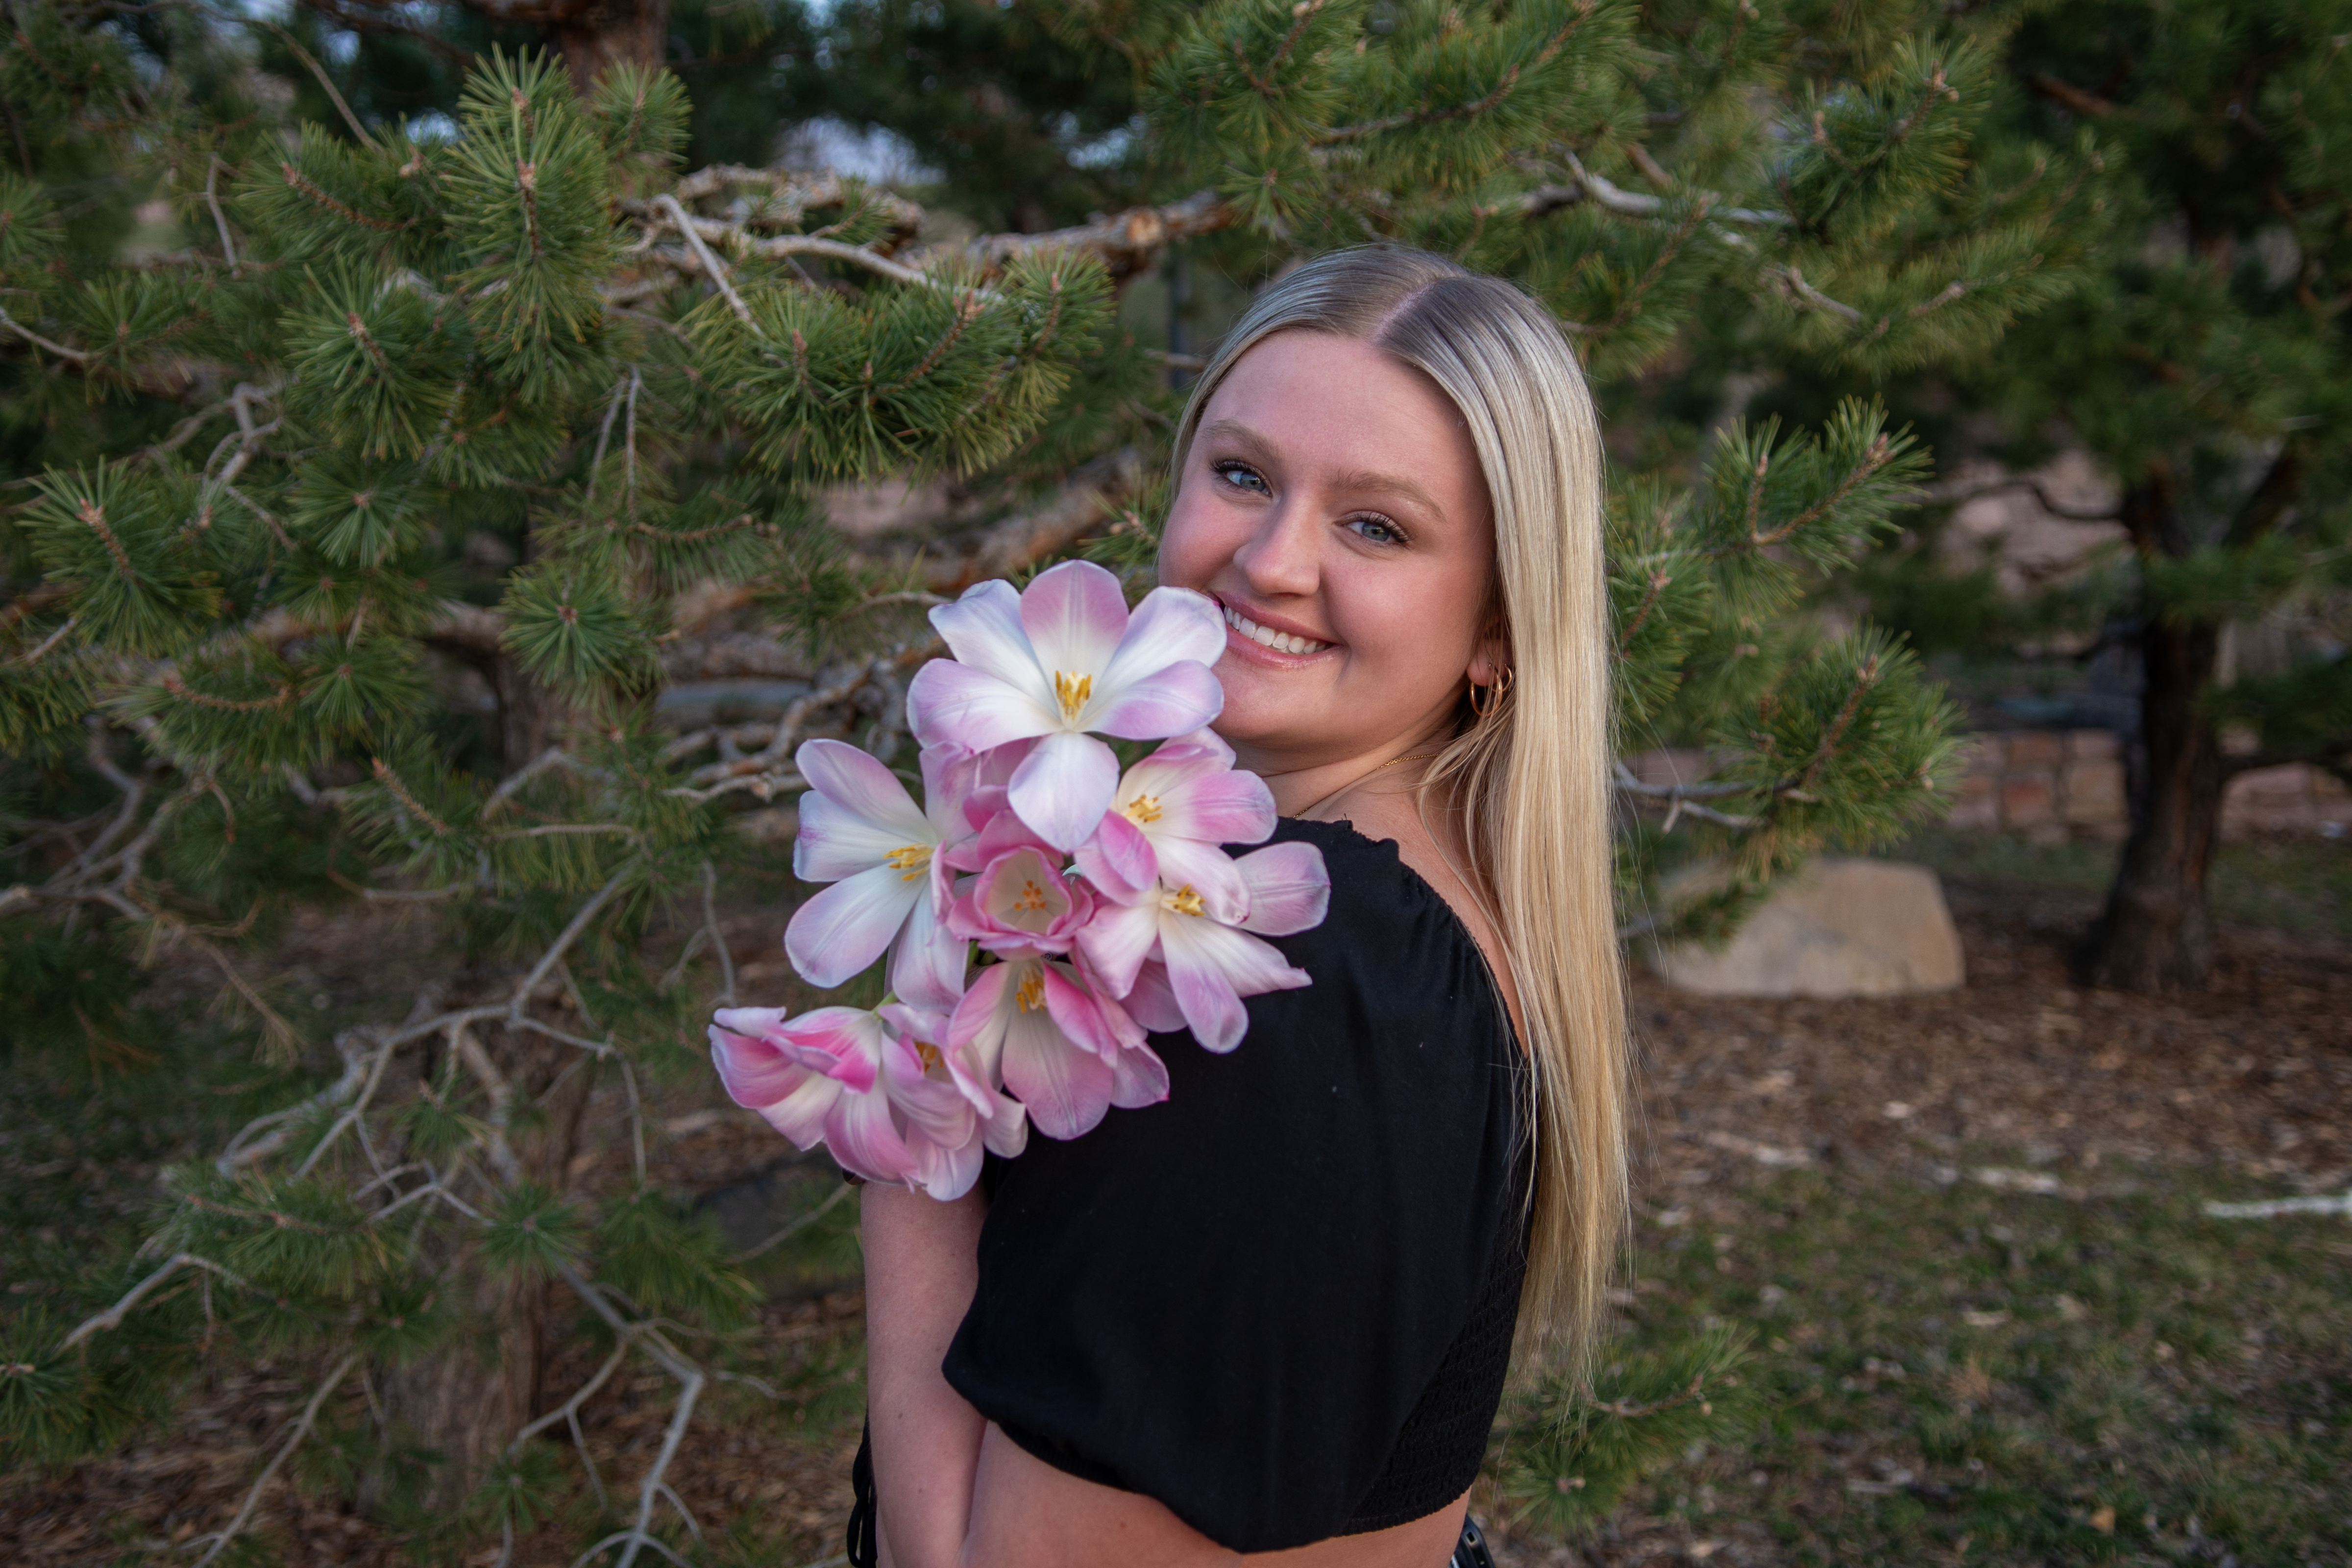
pixel 2201 362
pixel 515 411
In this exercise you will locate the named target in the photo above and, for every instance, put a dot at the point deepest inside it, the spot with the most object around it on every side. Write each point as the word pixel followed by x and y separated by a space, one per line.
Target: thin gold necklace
pixel 1376 767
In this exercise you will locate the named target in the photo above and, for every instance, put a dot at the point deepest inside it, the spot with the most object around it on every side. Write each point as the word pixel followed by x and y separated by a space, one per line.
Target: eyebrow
pixel 1361 479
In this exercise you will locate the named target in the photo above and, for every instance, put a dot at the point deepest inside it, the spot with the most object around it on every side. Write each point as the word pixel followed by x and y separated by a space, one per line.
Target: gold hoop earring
pixel 1496 692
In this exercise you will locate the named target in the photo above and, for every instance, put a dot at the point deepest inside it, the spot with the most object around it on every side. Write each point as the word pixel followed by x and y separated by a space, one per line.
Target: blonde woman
pixel 1270 1318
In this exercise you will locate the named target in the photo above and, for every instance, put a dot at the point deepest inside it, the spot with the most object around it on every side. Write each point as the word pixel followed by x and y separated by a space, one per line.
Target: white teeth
pixel 1267 636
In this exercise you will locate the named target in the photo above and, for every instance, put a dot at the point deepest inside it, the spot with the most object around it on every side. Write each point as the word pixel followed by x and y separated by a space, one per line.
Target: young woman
pixel 1270 1319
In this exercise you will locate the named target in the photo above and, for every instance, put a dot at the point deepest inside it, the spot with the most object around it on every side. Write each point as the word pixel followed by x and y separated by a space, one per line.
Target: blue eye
pixel 1242 476
pixel 1376 531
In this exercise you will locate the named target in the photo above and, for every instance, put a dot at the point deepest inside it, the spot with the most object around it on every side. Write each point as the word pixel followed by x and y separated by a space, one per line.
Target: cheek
pixel 1195 542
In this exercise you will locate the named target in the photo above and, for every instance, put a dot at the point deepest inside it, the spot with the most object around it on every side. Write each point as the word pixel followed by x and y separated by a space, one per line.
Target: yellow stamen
pixel 1032 899
pixel 911 859
pixel 929 1055
pixel 1185 901
pixel 1072 692
pixel 1144 808
pixel 1031 995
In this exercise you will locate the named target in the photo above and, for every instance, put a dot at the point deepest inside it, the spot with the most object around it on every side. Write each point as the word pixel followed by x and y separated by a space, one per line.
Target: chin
pixel 1255 716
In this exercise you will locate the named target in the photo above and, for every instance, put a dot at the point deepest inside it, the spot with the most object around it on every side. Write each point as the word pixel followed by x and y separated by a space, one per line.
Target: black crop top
pixel 1282 1302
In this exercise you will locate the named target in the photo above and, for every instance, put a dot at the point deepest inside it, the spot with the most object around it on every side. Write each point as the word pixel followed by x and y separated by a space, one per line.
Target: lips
pixel 1267 636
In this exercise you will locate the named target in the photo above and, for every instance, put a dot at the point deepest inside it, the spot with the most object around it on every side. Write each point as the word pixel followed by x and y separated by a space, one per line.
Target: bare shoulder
pixel 1380 810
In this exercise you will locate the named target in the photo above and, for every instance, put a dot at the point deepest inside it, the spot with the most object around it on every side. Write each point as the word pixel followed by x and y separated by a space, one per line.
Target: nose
pixel 1280 557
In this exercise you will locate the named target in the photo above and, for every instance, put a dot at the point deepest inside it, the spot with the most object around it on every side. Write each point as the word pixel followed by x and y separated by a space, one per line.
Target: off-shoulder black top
pixel 1282 1302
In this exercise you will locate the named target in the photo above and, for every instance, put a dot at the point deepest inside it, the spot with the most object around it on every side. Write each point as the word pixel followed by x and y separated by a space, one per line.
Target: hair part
pixel 1530 781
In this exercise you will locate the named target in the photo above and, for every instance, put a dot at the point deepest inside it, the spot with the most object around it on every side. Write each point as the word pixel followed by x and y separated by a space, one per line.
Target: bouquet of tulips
pixel 1041 910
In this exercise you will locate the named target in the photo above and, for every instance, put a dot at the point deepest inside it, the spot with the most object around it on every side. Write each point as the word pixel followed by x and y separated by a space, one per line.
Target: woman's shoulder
pixel 1392 887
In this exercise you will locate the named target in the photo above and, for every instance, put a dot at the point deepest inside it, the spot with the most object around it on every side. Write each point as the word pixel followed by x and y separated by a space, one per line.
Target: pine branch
pixel 1126 243
pixel 100 1322
pixel 75 355
pixel 301 1429
pixel 1952 494
pixel 1590 188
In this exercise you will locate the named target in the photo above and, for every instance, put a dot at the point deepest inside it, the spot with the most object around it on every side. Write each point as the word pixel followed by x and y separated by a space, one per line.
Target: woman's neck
pixel 1301 783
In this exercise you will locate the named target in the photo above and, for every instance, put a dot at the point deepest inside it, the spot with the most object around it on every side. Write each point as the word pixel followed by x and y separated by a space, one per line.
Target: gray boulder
pixel 1839 928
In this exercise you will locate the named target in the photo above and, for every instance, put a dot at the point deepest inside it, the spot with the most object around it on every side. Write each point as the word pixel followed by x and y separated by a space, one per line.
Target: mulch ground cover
pixel 1991 1324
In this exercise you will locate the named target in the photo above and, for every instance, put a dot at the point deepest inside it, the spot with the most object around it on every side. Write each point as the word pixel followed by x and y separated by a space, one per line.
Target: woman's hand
pixel 922 1263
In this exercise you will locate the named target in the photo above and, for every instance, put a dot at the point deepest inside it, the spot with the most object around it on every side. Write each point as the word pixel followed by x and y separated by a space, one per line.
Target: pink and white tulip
pixel 1070 1053
pixel 1021 905
pixel 1167 818
pixel 861 831
pixel 1210 964
pixel 1002 1123
pixel 1059 660
pixel 816 1079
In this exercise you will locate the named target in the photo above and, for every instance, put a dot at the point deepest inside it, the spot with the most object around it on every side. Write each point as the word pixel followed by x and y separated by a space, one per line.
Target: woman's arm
pixel 922 1262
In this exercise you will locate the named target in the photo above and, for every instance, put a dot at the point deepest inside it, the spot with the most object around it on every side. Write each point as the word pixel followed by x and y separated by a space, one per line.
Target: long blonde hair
pixel 1529 781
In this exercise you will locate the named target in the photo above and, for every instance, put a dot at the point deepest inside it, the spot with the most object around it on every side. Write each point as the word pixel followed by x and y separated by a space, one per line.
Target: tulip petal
pixel 927 967
pixel 850 1039
pixel 1171 625
pixel 960 705
pixel 1211 967
pixel 859 782
pixel 1078 1013
pixel 859 1131
pixel 1139 1078
pixel 945 1171
pixel 1232 807
pixel 1168 700
pixel 1076 615
pixel 844 929
pixel 1152 1001
pixel 801 1115
pixel 1289 888
pixel 1063 787
pixel 983 629
pixel 1207 870
pixel 934 1107
pixel 752 1068
pixel 1007 1133
pixel 837 840
pixel 1116 941
pixel 1119 859
pixel 1065 1087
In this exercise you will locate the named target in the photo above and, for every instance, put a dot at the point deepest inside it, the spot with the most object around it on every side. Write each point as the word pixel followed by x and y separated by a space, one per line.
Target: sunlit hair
pixel 1528 782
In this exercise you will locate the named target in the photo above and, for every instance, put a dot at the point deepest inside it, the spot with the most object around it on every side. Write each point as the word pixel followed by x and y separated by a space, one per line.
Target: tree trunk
pixel 603 34
pixel 2156 933
pixel 530 712
pixel 465 1402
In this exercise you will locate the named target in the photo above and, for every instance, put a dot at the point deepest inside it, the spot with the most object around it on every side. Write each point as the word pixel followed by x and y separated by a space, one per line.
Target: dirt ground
pixel 2017 1081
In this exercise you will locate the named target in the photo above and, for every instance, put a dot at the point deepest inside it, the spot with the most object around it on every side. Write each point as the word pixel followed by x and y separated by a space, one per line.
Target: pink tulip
pixel 816 1079
pixel 861 831
pixel 1070 1053
pixel 1172 811
pixel 1021 906
pixel 996 1119
pixel 1212 963
pixel 1056 660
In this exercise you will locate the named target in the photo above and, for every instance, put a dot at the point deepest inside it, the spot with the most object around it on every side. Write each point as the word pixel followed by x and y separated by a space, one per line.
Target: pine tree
pixel 528 396
pixel 2203 363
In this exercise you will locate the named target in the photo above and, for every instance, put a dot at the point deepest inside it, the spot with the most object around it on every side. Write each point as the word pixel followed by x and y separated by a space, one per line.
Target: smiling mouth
pixel 1267 636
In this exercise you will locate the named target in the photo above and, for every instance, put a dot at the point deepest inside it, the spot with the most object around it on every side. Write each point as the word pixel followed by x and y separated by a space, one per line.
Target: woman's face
pixel 1333 506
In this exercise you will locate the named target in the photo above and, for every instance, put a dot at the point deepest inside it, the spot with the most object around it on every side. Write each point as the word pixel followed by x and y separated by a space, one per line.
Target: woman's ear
pixel 1490 661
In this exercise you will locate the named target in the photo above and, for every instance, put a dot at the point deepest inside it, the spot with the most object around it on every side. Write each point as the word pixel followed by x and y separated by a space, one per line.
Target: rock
pixel 1839 928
